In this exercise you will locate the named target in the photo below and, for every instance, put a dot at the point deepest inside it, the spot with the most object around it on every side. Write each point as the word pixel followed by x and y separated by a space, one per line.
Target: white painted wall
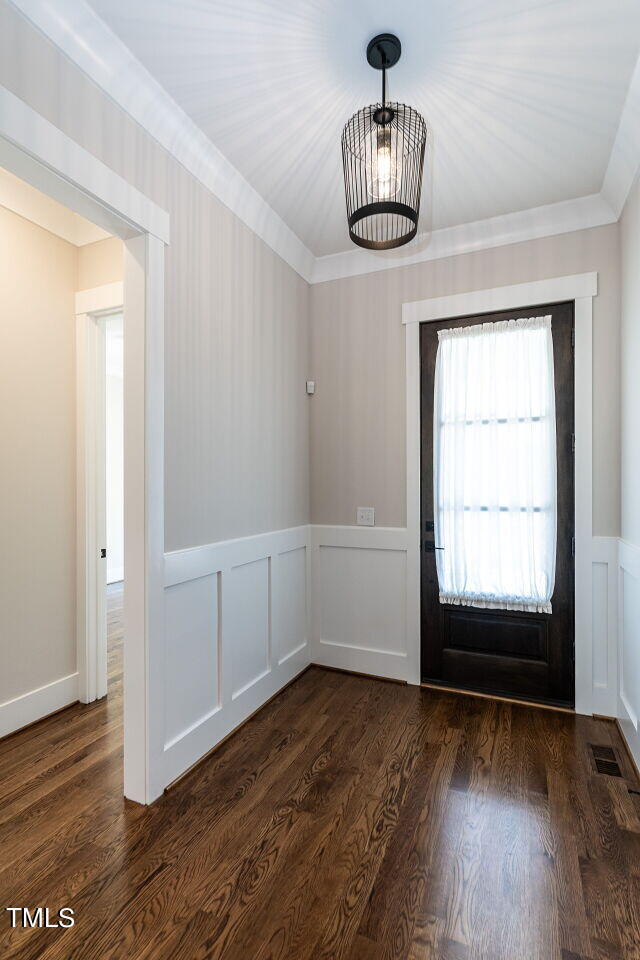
pixel 115 447
pixel 37 479
pixel 100 263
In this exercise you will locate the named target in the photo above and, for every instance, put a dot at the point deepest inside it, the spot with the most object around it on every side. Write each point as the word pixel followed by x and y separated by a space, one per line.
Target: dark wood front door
pixel 504 652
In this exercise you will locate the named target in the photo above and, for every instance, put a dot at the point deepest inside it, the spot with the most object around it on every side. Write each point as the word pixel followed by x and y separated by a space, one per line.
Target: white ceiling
pixel 523 98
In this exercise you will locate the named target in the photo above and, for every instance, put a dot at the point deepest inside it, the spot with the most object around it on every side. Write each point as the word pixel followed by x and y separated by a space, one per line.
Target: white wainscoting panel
pixel 247 600
pixel 37 704
pixel 359 599
pixel 244 617
pixel 191 661
pixel 629 644
pixel 604 602
pixel 289 605
pixel 236 633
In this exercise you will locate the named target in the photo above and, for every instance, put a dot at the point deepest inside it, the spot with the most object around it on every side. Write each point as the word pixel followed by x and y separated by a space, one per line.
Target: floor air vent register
pixel 605 760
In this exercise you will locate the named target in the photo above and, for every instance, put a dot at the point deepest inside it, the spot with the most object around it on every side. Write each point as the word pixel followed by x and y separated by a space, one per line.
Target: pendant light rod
pixel 383 52
pixel 383 157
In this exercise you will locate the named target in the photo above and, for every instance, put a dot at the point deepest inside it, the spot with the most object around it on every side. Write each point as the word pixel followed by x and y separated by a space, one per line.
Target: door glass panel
pixel 495 465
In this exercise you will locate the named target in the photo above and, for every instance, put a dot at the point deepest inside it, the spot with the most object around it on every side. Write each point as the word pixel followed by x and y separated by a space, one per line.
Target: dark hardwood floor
pixel 351 818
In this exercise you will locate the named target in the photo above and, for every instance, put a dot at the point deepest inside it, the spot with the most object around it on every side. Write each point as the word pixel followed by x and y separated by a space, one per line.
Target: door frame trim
pixel 34 149
pixel 92 306
pixel 581 289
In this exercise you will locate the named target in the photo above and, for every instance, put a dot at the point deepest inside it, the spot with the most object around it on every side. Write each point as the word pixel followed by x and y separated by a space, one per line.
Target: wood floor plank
pixel 350 818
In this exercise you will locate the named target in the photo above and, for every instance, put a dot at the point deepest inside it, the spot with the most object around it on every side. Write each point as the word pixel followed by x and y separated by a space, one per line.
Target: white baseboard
pixel 36 704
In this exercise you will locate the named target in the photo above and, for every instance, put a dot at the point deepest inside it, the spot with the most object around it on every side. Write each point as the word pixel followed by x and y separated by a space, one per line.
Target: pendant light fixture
pixel 383 158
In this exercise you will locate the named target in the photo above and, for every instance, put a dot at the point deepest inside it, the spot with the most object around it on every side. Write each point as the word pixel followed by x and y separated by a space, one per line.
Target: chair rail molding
pixel 580 288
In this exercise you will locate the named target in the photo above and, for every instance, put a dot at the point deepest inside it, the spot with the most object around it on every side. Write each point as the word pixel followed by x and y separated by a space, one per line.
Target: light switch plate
pixel 365 517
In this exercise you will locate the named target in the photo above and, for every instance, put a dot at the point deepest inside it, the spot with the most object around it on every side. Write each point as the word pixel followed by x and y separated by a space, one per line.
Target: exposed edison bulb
pixel 384 182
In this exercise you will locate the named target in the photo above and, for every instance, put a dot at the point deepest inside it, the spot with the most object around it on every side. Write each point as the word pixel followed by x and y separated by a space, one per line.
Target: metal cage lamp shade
pixel 383 159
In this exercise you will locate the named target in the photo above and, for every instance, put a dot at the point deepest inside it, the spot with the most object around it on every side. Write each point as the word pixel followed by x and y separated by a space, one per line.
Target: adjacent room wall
pixel 629 555
pixel 114 460
pixel 100 263
pixel 37 479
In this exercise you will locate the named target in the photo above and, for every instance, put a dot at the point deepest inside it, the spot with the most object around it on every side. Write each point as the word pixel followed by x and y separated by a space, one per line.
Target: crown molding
pixel 546 221
pixel 624 160
pixel 75 28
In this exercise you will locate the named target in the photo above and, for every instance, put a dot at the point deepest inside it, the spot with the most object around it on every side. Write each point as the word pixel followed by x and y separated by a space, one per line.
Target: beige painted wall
pixel 236 319
pixel 100 263
pixel 357 357
pixel 37 479
pixel 630 353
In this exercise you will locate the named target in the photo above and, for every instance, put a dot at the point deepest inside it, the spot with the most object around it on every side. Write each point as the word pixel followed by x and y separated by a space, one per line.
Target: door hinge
pixel 103 553
pixel 573 546
pixel 573 443
pixel 573 338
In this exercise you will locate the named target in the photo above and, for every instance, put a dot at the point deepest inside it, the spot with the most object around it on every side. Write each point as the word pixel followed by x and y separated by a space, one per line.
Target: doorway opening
pixel 114 496
pixel 62 400
pixel 100 477
pixel 49 161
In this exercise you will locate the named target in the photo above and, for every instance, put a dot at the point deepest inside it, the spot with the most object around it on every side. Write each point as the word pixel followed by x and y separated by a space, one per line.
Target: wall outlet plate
pixel 365 516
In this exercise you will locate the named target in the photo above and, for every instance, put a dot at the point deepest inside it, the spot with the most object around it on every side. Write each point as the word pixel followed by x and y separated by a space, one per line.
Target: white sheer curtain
pixel 495 465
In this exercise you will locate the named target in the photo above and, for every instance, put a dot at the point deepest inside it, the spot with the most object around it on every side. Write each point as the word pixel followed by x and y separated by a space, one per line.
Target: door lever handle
pixel 431 548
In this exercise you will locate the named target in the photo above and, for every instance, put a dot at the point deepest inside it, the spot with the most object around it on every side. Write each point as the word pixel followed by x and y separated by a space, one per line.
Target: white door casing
pixel 38 152
pixel 579 288
pixel 93 307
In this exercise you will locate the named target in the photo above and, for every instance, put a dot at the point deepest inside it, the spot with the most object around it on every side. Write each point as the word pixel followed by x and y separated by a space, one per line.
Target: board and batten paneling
pixel 359 599
pixel 604 604
pixel 236 633
pixel 629 644
pixel 359 605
